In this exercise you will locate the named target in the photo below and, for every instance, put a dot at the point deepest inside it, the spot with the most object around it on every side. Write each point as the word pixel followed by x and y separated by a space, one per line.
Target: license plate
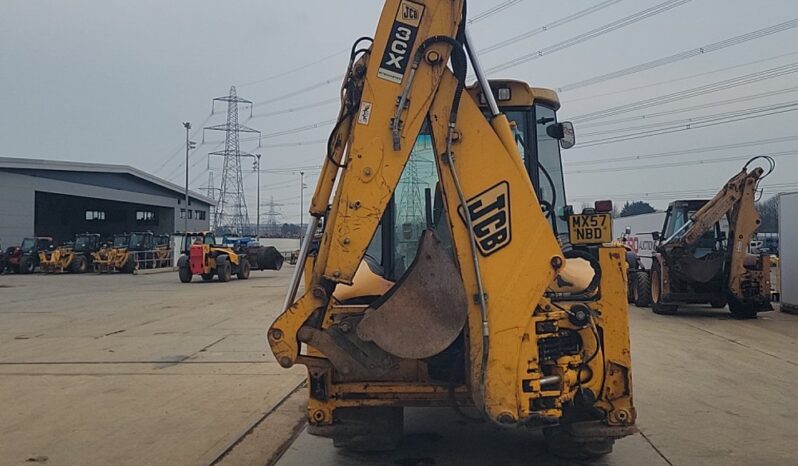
pixel 590 228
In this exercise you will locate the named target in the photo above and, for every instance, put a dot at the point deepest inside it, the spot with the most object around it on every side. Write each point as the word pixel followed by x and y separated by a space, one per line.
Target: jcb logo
pixel 490 216
pixel 409 13
pixel 396 56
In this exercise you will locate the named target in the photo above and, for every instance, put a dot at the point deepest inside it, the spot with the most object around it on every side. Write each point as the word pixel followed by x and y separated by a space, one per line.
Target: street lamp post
pixel 257 221
pixel 301 204
pixel 186 125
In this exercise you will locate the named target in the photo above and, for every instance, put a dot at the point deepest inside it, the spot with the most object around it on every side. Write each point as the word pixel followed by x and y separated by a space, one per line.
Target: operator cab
pixel 416 204
pixel 677 217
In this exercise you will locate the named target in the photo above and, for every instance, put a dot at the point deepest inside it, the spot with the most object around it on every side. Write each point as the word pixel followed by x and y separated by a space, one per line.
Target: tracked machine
pixel 440 271
pixel 697 260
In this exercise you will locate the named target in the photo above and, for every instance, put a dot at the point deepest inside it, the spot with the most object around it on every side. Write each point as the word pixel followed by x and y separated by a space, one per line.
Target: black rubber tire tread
pixel 742 311
pixel 642 289
pixel 207 276
pixel 564 445
pixel 27 265
pixel 79 265
pixel 658 308
pixel 184 273
pixel 224 271
pixel 243 269
pixel 130 265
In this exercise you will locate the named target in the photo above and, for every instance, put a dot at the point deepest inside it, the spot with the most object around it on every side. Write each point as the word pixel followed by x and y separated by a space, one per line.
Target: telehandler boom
pixel 466 298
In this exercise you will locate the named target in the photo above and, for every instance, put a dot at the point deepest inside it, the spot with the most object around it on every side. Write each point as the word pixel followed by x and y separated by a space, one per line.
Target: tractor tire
pixel 243 269
pixel 130 265
pixel 27 265
pixel 184 273
pixel 224 270
pixel 630 287
pixel 656 293
pixel 642 289
pixel 562 444
pixel 15 268
pixel 79 265
pixel 364 429
pixel 742 311
pixel 206 277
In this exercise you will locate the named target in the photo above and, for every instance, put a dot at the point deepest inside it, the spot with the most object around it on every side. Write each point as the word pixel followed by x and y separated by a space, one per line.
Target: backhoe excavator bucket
pixel 425 311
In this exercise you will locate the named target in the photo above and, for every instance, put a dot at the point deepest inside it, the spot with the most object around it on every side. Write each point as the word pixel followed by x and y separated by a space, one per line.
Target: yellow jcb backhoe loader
pixel 433 274
pixel 696 261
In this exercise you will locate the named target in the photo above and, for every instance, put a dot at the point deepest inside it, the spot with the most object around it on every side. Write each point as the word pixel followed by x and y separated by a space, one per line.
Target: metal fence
pixel 155 259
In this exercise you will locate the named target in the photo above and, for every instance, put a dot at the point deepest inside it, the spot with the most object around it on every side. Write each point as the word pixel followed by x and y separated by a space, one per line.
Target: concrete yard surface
pixel 120 369
pixel 131 370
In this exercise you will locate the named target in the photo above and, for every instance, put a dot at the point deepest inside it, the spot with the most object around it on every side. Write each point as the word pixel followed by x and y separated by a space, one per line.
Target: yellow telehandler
pixel 442 267
pixel 75 257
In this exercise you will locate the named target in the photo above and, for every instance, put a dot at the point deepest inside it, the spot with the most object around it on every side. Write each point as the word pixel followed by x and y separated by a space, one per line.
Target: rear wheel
pixel 243 269
pixel 26 265
pixel 130 265
pixel 742 311
pixel 642 289
pixel 79 265
pixel 656 293
pixel 224 270
pixel 184 273
pixel 563 444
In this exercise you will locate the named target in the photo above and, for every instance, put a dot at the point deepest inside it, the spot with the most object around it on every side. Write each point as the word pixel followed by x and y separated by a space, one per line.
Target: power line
pixel 697 150
pixel 493 10
pixel 294 70
pixel 326 82
pixel 297 108
pixel 593 33
pixel 694 120
pixel 685 163
pixel 719 103
pixel 548 27
pixel 690 93
pixel 665 195
pixel 671 81
pixel 685 127
pixel 182 147
pixel 709 48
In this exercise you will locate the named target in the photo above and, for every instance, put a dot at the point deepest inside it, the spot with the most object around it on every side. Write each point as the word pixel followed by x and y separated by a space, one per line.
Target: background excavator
pixel 445 269
pixel 697 260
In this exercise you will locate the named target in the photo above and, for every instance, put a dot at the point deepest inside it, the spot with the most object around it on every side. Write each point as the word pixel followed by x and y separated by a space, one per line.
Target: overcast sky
pixel 111 81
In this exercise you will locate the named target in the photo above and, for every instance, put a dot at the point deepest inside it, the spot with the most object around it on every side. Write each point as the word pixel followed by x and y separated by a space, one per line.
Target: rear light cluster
pixel 603 206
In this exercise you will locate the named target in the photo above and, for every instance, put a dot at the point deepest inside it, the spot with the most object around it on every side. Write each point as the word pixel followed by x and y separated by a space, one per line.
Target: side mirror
pixel 655 235
pixel 564 132
pixel 628 230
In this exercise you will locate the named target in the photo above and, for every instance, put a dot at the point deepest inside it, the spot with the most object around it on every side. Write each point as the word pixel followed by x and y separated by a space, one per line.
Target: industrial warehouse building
pixel 60 199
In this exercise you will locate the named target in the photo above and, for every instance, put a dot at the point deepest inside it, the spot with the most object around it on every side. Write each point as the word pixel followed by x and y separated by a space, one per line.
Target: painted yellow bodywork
pixel 58 260
pixel 109 259
pixel 516 277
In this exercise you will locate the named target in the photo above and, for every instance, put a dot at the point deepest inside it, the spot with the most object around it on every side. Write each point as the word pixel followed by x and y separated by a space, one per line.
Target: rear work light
pixel 603 206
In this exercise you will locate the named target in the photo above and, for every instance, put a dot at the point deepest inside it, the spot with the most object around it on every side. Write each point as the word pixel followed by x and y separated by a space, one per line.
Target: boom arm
pixel 487 194
pixel 737 198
